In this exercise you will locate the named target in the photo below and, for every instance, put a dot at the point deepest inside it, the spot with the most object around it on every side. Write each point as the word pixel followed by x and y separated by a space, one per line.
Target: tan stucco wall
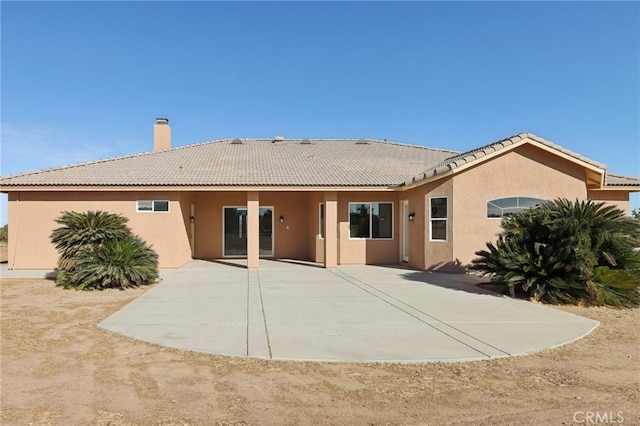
pixel 32 214
pixel 438 255
pixel 315 243
pixel 526 171
pixel 208 223
pixel 366 251
pixel 620 199
pixel 423 253
pixel 290 238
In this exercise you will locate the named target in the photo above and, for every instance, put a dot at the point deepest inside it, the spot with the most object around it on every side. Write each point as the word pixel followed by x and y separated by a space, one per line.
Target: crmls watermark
pixel 598 417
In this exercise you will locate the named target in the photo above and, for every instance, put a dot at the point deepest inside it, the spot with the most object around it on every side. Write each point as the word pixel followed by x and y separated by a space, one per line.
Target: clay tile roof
pixel 620 180
pixel 254 162
pixel 287 162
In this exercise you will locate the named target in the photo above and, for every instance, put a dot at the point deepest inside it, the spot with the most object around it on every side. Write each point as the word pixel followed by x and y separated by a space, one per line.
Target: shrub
pixel 98 251
pixel 123 263
pixel 567 252
pixel 80 230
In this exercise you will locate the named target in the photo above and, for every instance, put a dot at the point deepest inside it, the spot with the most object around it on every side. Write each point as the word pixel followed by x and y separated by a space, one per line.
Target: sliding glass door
pixel 235 231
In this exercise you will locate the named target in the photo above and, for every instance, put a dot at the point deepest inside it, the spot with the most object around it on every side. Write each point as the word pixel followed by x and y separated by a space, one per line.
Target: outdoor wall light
pixel 281 219
pixel 412 216
pixel 192 219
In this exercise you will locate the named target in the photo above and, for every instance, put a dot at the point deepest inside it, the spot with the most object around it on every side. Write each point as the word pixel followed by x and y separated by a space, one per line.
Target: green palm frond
pixel 125 263
pixel 98 251
pixel 79 230
pixel 553 252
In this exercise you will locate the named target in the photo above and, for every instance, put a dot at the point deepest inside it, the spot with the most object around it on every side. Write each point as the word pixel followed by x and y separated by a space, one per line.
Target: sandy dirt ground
pixel 4 255
pixel 59 369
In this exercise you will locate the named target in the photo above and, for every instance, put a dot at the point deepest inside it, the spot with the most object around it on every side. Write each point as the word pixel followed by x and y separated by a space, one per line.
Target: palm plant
pixel 123 263
pixel 567 252
pixel 80 230
pixel 98 251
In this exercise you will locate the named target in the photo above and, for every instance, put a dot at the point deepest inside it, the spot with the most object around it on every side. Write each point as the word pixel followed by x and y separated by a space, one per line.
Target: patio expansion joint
pixel 264 316
pixel 248 312
pixel 370 289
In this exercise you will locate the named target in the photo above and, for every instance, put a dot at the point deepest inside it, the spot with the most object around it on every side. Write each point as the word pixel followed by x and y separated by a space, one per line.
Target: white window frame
pixel 321 209
pixel 517 197
pixel 153 205
pixel 393 215
pixel 446 222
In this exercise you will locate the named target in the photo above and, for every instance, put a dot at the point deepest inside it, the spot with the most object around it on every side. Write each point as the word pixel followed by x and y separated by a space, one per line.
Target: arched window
pixel 506 206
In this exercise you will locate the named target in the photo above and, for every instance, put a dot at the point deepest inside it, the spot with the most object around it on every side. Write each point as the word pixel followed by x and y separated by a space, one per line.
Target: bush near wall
pixel 98 250
pixel 567 252
pixel 4 234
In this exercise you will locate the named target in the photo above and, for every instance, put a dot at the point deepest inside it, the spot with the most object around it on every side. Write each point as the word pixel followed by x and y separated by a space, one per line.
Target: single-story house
pixel 332 201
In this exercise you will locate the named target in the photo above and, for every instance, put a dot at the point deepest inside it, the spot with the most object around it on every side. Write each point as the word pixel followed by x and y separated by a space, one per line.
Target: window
pixel 321 220
pixel 371 220
pixel 152 206
pixel 507 206
pixel 438 219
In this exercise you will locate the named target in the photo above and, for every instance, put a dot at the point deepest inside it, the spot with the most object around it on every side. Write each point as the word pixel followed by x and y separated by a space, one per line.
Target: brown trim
pixel 619 188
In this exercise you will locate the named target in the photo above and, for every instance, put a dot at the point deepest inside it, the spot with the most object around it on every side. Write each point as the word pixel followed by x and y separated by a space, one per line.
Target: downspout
pixel 15 228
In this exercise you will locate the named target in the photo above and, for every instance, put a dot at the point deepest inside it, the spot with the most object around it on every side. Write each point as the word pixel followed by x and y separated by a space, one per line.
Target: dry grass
pixel 4 254
pixel 58 368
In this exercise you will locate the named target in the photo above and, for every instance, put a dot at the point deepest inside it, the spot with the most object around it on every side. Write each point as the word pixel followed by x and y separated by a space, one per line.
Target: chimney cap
pixel 162 120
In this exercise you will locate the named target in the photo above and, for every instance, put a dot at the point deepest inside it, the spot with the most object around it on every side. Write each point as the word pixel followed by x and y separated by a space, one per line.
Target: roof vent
pixel 305 142
pixel 278 139
pixel 236 141
pixel 362 142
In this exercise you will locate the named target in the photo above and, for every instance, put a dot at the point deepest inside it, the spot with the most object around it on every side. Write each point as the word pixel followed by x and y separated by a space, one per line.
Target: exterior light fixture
pixel 192 219
pixel 412 216
pixel 281 219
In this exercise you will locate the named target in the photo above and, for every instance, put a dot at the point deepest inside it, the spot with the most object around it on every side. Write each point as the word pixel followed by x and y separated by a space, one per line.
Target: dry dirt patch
pixel 58 368
pixel 4 253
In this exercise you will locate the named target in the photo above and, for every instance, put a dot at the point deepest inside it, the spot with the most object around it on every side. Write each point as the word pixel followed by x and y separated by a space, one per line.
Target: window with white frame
pixel 371 220
pixel 438 218
pixel 152 206
pixel 501 207
pixel 321 220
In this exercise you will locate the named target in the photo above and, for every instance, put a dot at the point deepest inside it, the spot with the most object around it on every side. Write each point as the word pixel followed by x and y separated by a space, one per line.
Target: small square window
pixel 145 205
pixel 438 208
pixel 161 206
pixel 439 230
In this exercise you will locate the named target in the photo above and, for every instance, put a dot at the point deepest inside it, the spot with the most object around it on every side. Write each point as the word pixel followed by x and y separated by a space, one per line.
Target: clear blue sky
pixel 84 81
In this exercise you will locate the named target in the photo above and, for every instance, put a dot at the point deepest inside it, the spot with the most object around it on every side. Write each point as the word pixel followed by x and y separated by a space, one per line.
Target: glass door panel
pixel 266 231
pixel 235 231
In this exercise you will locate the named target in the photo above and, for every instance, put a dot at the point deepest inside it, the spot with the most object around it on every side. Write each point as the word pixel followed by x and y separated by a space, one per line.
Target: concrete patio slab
pixel 295 311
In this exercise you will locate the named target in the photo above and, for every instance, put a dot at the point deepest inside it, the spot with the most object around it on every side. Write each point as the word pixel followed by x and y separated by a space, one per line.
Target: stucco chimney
pixel 161 134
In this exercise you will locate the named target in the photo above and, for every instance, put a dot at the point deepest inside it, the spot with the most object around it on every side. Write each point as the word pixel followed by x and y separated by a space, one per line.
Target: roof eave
pixel 194 188
pixel 633 188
